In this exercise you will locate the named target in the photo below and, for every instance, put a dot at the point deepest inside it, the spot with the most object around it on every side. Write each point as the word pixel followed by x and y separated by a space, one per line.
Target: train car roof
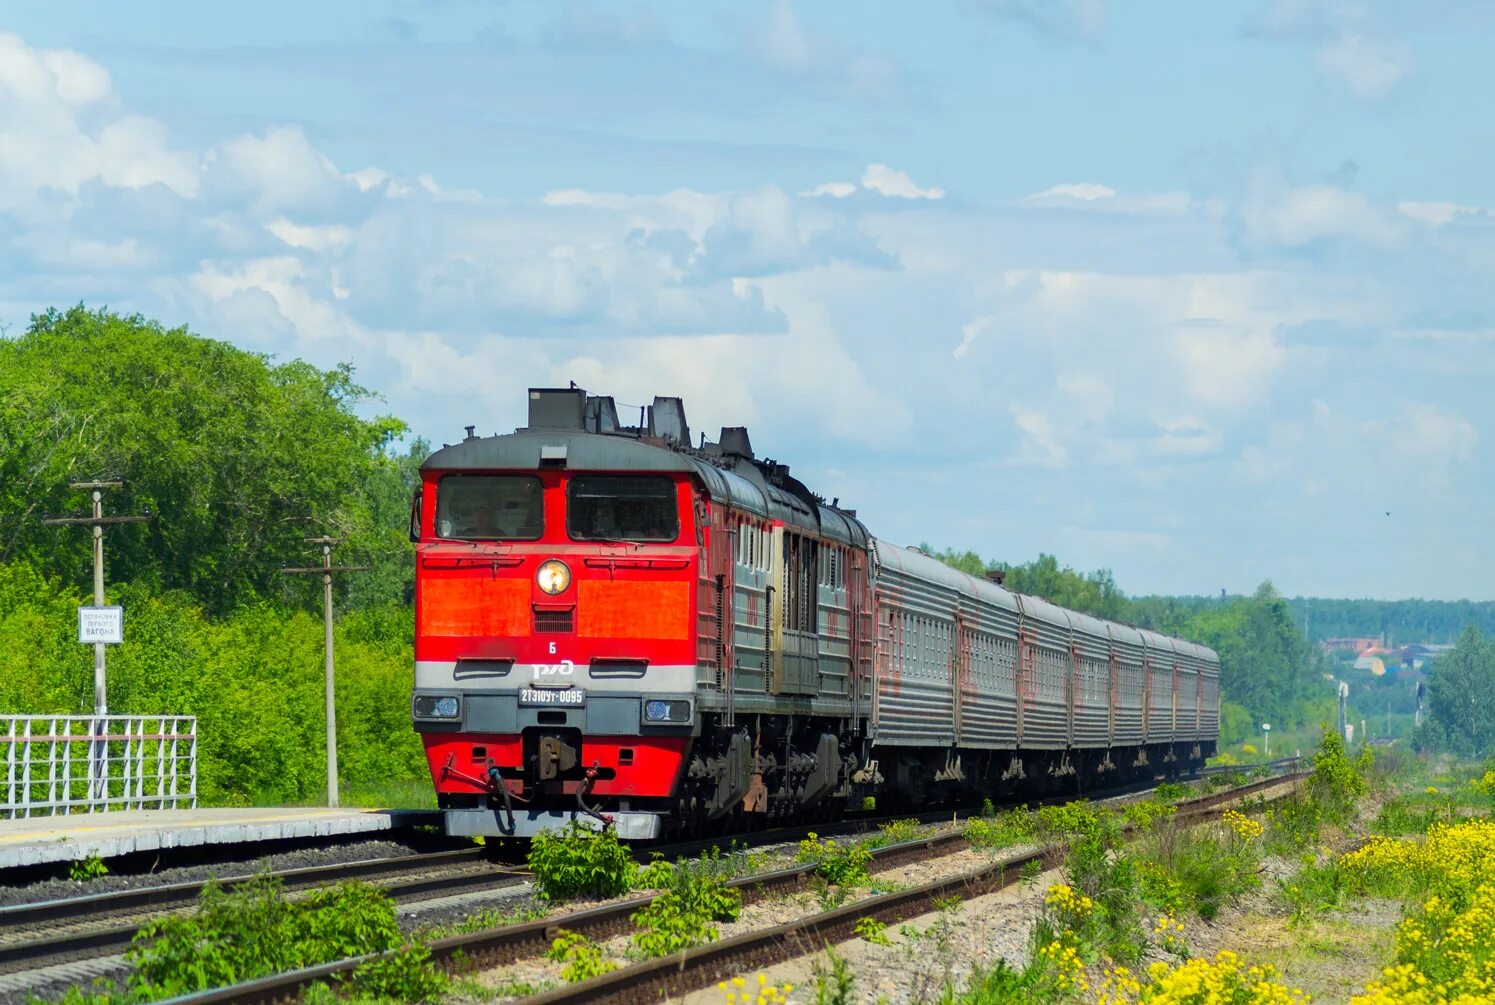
pixel 915 562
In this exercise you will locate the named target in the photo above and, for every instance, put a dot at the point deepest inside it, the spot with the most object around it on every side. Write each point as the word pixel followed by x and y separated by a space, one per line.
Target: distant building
pixel 1418 653
pixel 1350 645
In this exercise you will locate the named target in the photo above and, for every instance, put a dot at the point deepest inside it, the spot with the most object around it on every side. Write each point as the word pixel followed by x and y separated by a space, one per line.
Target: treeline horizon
pixel 1402 622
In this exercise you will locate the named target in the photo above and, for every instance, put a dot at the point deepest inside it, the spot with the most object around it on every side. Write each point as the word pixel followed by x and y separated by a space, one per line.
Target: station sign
pixel 101 624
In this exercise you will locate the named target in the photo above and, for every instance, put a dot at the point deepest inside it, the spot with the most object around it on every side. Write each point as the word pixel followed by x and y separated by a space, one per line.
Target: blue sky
pixel 1197 292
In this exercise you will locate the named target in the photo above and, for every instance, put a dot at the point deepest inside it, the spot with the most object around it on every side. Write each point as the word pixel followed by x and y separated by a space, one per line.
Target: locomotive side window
pixel 621 508
pixel 489 508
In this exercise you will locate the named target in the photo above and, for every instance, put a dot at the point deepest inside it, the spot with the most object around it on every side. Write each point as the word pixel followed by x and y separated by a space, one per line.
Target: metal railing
pixel 96 763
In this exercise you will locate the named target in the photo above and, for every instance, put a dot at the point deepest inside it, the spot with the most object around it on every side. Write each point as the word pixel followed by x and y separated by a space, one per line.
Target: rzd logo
pixel 562 669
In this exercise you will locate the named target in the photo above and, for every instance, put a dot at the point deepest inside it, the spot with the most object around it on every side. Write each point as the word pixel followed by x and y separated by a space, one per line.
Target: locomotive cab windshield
pixel 489 508
pixel 621 508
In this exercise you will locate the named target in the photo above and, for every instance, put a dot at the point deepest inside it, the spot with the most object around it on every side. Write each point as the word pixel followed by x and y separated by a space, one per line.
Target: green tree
pixel 1094 593
pixel 968 562
pixel 239 458
pixel 1461 697
pixel 1266 665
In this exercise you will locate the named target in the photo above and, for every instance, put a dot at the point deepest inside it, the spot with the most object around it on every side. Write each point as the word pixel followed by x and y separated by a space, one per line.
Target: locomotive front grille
pixel 555 620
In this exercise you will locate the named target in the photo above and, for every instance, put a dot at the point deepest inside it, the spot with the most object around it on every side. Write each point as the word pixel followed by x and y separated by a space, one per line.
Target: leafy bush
pixel 1001 830
pixel 657 875
pixel 255 931
pixel 406 975
pixel 581 957
pixel 898 831
pixel 871 930
pixel 1402 816
pixel 833 983
pixel 1079 820
pixel 1171 792
pixel 1336 782
pixel 838 864
pixel 1292 825
pixel 576 861
pixel 1145 813
pixel 1110 882
pixel 1002 984
pixel 1314 889
pixel 683 915
pixel 85 869
pixel 1199 869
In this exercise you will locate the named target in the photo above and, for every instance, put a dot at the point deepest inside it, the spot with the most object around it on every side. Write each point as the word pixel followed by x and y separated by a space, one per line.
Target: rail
pixel 60 764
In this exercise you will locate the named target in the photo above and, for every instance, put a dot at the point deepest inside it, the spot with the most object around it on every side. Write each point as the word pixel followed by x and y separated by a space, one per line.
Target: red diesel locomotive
pixel 616 626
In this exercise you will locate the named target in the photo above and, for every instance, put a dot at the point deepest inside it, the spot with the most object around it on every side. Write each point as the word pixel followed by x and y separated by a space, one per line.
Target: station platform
pixel 40 840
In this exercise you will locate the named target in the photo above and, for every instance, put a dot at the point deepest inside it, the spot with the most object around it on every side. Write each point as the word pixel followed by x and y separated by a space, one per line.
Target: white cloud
pixel 1428 441
pixel 783 42
pixel 1350 48
pixel 897 184
pixel 313 238
pixel 57 133
pixel 297 293
pixel 1041 446
pixel 1439 214
pixel 1083 191
pixel 834 189
pixel 1095 197
pixel 1227 368
pixel 1276 214
pixel 781 39
pixel 1423 445
pixel 1365 66
pixel 277 170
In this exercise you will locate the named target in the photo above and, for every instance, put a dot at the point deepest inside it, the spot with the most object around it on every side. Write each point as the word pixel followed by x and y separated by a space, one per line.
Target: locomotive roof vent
pixel 601 414
pixel 556 407
pixel 667 420
pixel 998 576
pixel 735 442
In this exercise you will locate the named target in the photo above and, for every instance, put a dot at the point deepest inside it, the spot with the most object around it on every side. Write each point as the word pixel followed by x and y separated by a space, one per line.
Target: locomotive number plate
pixel 548 696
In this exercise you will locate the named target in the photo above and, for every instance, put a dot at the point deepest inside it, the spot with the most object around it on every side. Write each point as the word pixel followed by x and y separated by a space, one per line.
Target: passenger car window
pixel 621 508
pixel 490 508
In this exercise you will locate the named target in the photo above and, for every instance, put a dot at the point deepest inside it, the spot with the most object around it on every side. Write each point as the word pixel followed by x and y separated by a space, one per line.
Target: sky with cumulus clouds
pixel 1203 293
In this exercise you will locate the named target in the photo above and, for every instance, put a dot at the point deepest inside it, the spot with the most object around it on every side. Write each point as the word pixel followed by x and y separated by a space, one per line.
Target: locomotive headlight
pixel 431 706
pixel 553 576
pixel 666 710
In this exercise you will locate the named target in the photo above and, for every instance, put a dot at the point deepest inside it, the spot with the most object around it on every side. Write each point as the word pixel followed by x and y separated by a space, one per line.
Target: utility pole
pixel 326 570
pixel 98 521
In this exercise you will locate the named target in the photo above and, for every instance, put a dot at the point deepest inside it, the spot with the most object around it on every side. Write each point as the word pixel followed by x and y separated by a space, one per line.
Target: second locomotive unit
pixel 616 625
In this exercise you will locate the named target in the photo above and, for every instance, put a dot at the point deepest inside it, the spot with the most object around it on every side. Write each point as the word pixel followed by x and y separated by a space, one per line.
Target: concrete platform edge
pixel 196 834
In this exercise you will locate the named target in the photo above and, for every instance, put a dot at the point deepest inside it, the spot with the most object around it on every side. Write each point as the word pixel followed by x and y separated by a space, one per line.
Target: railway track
pixel 704 965
pixel 44 934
